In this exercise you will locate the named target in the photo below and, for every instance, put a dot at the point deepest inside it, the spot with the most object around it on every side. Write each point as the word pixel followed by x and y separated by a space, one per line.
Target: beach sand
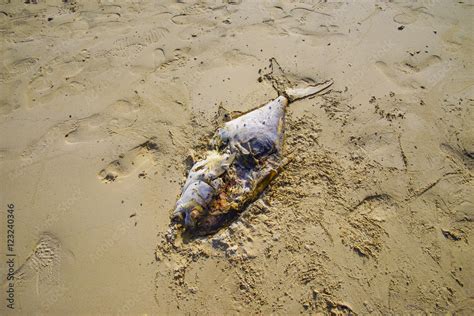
pixel 101 103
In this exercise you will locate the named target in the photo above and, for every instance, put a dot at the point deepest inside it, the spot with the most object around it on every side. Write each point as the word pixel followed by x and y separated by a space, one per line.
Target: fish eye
pixel 194 213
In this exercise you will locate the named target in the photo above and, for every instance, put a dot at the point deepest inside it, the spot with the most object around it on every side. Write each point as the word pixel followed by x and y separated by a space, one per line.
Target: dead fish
pixel 246 156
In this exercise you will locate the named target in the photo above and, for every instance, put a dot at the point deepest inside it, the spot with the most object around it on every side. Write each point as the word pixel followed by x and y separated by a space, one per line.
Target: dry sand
pixel 102 101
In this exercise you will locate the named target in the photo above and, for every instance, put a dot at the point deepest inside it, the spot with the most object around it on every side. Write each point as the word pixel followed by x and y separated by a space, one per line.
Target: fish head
pixel 203 182
pixel 188 213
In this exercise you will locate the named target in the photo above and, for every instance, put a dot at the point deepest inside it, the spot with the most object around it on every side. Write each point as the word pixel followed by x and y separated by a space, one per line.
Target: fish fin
pixel 296 93
pixel 277 77
pixel 223 115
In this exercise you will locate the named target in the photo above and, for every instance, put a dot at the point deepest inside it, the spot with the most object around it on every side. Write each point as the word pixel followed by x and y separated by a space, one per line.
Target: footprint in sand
pixel 138 49
pixel 58 78
pixel 43 265
pixel 418 64
pixel 39 279
pixel 13 70
pixel 148 60
pixel 6 106
pixel 411 15
pixel 96 126
pixel 314 24
pixel 101 18
pixel 415 72
pixel 89 129
pixel 129 162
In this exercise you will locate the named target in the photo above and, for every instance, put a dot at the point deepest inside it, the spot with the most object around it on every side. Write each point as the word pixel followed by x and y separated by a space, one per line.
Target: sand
pixel 103 101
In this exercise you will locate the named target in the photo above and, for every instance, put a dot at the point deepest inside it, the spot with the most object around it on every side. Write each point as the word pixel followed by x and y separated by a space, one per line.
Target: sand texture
pixel 103 104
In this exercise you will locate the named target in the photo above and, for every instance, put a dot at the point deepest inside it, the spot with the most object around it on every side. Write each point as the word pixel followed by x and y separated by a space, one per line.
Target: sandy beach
pixel 103 102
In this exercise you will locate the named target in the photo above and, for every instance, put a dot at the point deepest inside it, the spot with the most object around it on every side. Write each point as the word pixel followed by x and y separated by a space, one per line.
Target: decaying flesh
pixel 246 156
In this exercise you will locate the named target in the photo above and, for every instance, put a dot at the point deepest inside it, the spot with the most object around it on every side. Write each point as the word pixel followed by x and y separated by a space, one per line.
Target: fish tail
pixel 297 93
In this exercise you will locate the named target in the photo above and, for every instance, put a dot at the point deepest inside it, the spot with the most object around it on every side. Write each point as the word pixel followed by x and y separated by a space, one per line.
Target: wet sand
pixel 101 103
